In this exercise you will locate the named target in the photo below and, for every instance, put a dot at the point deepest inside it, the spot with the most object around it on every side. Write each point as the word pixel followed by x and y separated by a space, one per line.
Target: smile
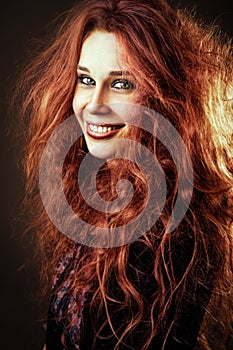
pixel 100 131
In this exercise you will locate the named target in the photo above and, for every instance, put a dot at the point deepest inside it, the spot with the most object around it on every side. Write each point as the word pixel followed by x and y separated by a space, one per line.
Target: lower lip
pixel 102 135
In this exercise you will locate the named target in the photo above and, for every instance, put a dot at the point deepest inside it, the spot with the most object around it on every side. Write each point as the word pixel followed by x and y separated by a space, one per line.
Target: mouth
pixel 102 131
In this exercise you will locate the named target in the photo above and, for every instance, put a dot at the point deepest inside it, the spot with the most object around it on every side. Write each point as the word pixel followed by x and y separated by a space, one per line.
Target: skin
pixel 104 94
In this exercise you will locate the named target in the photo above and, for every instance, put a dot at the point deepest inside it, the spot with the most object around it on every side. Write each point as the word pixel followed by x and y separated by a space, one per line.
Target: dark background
pixel 21 314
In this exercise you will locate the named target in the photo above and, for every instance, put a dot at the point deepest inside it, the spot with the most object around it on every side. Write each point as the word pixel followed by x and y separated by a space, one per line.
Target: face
pixel 104 94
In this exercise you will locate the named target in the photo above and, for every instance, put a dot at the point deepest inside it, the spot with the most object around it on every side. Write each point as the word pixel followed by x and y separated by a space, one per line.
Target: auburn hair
pixel 184 71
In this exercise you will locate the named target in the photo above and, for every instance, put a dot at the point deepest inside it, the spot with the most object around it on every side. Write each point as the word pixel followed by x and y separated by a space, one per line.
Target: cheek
pixel 127 111
pixel 80 100
pixel 76 104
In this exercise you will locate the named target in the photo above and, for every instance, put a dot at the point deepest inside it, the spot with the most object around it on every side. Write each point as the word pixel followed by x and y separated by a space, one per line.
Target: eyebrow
pixel 114 73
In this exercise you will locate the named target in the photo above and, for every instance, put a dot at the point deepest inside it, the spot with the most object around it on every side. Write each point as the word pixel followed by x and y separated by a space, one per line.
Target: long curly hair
pixel 184 70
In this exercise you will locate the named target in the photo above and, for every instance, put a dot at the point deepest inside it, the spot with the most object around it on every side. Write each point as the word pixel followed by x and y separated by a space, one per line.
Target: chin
pixel 103 150
pixel 100 155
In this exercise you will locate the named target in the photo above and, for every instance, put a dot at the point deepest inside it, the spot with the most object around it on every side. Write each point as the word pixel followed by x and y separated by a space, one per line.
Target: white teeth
pixel 93 127
pixel 100 129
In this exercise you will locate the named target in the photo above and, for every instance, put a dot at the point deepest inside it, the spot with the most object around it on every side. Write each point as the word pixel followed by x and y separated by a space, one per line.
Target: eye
pixel 123 84
pixel 86 80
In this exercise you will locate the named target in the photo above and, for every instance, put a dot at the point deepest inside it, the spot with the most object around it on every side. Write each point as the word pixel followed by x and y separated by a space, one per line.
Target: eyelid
pixel 84 75
pixel 124 80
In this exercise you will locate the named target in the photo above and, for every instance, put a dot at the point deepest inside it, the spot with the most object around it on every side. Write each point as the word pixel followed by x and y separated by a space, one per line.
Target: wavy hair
pixel 184 70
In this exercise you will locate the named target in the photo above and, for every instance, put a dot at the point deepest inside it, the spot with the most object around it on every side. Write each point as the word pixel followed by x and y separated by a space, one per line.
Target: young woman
pixel 166 288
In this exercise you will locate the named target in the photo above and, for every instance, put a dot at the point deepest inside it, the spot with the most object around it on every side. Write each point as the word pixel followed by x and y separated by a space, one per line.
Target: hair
pixel 184 70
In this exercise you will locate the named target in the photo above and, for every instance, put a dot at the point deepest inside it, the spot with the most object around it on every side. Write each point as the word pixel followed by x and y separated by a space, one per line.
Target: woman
pixel 164 289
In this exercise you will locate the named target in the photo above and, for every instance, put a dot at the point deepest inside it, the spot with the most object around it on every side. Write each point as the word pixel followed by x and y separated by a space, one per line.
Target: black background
pixel 20 316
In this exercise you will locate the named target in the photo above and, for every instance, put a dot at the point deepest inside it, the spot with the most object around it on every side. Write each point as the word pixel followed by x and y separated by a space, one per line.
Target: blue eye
pixel 86 80
pixel 123 84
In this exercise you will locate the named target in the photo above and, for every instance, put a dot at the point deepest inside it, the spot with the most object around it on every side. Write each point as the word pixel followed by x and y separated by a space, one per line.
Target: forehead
pixel 101 49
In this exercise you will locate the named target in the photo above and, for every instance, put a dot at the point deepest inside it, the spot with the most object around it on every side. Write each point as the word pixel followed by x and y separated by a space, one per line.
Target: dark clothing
pixel 189 331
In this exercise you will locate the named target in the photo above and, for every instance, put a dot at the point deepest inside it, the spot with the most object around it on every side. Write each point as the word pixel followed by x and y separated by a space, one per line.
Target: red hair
pixel 184 71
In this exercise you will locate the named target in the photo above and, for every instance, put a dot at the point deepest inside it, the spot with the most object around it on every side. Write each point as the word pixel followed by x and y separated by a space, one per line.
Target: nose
pixel 99 103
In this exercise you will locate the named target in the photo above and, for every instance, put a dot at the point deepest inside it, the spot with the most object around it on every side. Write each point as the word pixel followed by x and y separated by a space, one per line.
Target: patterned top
pixel 62 311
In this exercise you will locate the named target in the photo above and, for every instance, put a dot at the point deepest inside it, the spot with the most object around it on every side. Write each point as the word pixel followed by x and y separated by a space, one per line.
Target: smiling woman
pixel 103 83
pixel 116 64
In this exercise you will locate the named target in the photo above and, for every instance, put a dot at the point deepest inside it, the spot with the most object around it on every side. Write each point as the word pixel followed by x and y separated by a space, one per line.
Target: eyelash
pixel 81 77
pixel 130 85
